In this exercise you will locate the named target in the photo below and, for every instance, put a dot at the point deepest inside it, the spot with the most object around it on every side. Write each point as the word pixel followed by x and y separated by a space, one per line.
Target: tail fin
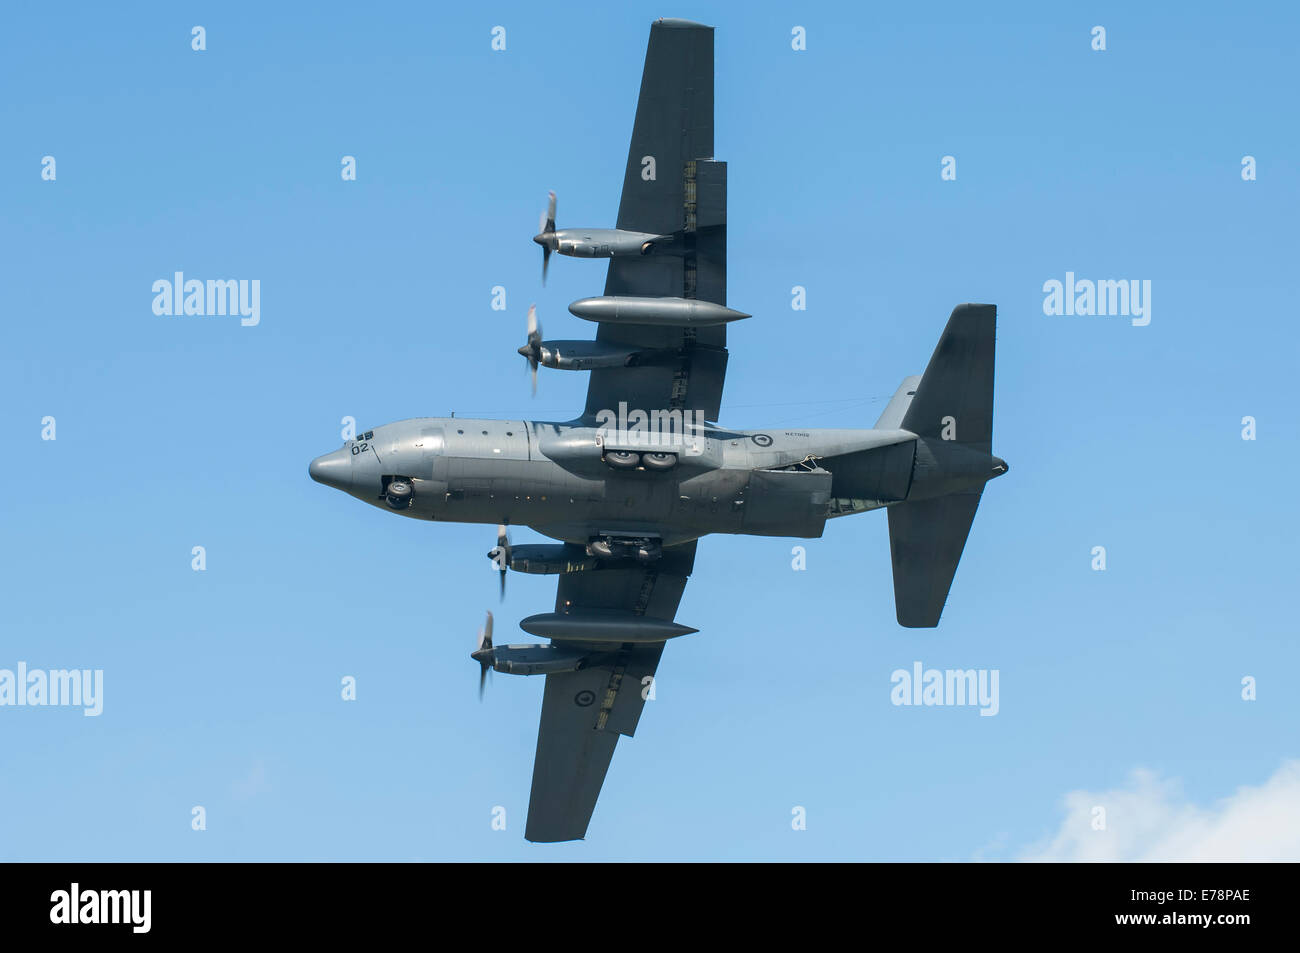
pixel 952 412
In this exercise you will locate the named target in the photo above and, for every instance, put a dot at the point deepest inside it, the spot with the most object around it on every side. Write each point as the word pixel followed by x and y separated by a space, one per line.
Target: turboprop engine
pixel 597 242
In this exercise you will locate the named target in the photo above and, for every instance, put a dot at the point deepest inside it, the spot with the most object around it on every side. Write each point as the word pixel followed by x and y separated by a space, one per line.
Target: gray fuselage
pixel 561 478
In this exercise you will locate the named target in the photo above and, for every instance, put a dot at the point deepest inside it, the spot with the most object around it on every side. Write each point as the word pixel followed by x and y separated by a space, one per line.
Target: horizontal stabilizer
pixel 926 539
pixel 954 400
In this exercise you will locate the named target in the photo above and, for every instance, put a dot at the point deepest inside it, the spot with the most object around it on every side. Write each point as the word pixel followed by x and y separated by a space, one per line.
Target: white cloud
pixel 1150 819
pixel 253 784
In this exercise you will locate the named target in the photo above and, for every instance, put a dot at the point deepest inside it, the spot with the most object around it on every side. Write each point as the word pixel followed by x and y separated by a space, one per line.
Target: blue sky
pixel 222 686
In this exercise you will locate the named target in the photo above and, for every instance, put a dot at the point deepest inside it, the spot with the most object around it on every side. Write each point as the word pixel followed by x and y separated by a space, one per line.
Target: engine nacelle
pixel 551 558
pixel 584 355
pixel 605 242
pixel 533 659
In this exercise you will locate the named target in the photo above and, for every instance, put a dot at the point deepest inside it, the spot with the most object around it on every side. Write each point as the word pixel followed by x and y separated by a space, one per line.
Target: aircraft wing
pixel 671 186
pixel 585 712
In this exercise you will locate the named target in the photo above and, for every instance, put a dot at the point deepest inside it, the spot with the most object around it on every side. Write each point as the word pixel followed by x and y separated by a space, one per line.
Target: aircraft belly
pixel 708 502
pixel 787 502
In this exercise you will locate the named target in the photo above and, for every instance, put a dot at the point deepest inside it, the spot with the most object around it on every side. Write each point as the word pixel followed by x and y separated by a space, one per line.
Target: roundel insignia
pixel 761 439
pixel 584 698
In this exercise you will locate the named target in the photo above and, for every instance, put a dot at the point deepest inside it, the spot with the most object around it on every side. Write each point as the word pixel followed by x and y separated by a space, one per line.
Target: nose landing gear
pixel 399 493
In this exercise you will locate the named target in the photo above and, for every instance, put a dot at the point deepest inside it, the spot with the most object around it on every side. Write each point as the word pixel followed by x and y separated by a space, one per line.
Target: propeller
pixel 533 349
pixel 483 654
pixel 500 556
pixel 546 236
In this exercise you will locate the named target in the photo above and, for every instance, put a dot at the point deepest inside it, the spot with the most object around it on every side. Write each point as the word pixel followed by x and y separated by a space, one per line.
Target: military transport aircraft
pixel 629 486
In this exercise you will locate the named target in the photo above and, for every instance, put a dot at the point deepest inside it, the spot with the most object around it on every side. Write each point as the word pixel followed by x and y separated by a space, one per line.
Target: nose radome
pixel 332 469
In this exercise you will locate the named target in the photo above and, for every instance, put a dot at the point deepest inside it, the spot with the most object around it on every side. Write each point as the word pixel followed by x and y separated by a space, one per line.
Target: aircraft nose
pixel 333 469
